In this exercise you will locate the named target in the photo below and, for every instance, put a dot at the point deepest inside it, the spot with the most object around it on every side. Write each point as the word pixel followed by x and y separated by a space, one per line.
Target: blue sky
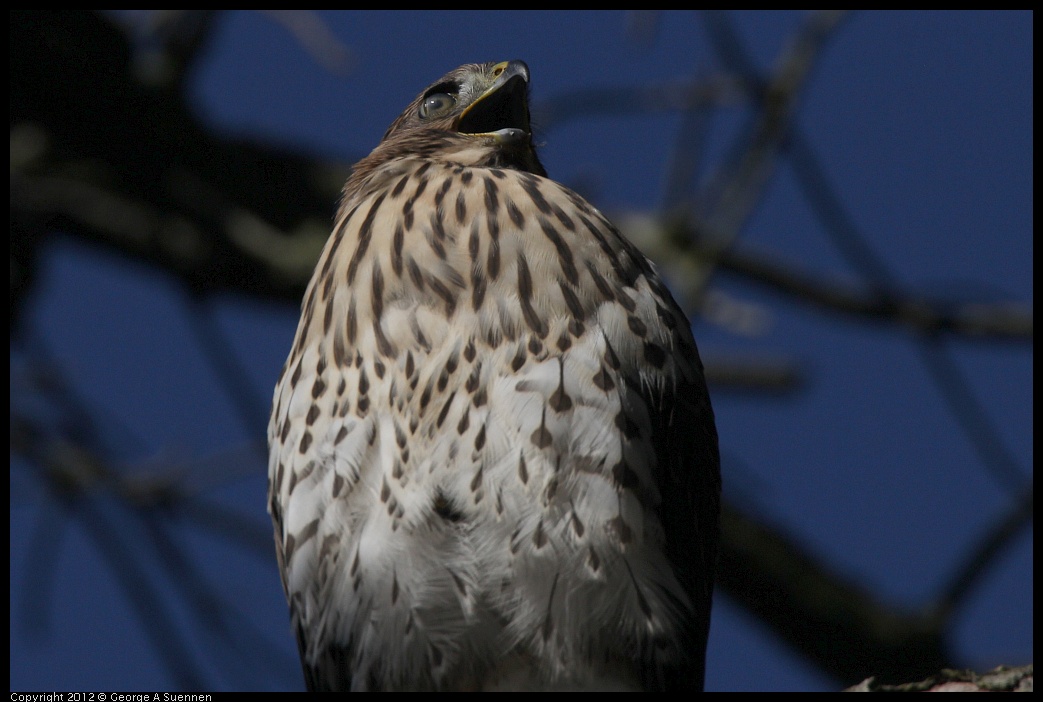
pixel 921 121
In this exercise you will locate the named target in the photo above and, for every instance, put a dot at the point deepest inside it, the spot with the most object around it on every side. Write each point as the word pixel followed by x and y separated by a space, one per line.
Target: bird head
pixel 484 106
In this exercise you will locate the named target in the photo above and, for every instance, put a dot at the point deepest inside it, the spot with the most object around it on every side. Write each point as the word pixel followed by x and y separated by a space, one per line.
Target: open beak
pixel 503 109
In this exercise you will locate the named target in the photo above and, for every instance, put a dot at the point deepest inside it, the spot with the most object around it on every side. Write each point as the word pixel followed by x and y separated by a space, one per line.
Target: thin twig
pixel 989 548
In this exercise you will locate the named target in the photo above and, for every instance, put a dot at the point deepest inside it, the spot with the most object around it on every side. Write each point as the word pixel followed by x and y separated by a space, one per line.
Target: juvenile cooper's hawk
pixel 493 458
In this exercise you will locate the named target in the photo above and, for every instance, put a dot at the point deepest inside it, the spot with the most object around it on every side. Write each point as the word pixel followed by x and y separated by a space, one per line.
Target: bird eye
pixel 436 105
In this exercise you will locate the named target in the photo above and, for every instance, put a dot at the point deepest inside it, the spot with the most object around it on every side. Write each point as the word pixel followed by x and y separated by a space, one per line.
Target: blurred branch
pixel 85 489
pixel 836 623
pixel 315 37
pixel 684 250
pixel 242 393
pixel 989 548
pixel 838 225
pixel 218 244
pixel 671 96
pixel 982 434
pixel 68 471
pixel 1005 321
pixel 127 516
pixel 129 167
pixel 170 45
pixel 953 385
pixel 42 569
pixel 739 184
pixel 643 26
pixel 760 376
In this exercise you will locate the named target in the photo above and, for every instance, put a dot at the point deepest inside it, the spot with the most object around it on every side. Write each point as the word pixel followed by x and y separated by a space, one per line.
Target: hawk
pixel 493 462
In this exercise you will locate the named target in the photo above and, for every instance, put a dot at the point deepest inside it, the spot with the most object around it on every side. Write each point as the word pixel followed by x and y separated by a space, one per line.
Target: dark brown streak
pixel 327 318
pixel 515 214
pixel 400 186
pixel 437 226
pixel 338 236
pixel 568 265
pixel 492 264
pixel 525 297
pixel 443 292
pixel 415 274
pixel 531 186
pixel 461 207
pixel 492 202
pixel 474 243
pixel 478 287
pixel 436 245
pixel 445 410
pixel 365 234
pixel 396 249
pixel 492 223
pixel 565 220
pixel 377 292
pixel 422 185
pixel 383 345
pixel 602 285
pixel 571 301
pixel 602 242
pixel 443 190
pixel 352 322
